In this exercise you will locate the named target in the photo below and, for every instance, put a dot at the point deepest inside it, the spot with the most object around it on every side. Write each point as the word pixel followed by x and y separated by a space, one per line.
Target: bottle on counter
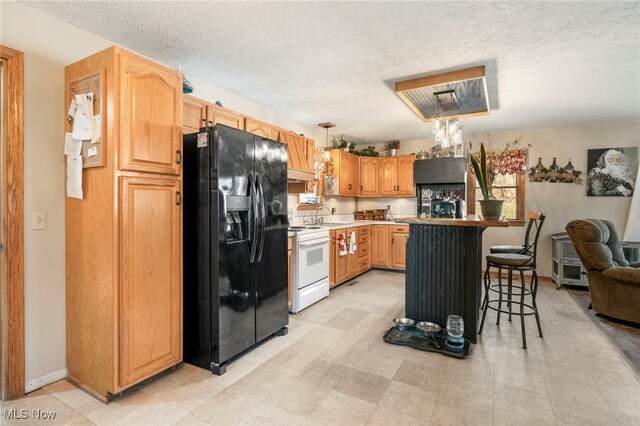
pixel 388 215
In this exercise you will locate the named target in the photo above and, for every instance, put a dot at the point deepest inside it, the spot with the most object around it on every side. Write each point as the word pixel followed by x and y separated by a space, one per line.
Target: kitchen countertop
pixel 471 220
pixel 355 224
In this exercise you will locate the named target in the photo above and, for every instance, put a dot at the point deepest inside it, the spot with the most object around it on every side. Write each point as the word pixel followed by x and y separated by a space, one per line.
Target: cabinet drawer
pixel 402 229
pixel 363 250
pixel 363 230
pixel 363 264
pixel 362 239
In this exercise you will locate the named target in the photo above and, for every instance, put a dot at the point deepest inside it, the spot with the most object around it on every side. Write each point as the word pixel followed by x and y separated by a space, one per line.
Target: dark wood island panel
pixel 444 270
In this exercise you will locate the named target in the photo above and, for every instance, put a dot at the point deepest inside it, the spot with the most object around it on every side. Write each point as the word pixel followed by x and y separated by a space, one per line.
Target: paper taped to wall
pixel 71 146
pixel 96 137
pixel 83 116
pixel 74 176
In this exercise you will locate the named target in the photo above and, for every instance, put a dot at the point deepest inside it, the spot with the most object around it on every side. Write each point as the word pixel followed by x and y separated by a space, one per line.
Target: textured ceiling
pixel 548 63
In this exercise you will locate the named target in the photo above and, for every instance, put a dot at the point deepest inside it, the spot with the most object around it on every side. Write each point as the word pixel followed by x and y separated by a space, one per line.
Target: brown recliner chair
pixel 614 284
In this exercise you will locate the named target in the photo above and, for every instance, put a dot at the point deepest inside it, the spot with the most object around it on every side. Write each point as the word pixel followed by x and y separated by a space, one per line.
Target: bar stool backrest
pixel 532 235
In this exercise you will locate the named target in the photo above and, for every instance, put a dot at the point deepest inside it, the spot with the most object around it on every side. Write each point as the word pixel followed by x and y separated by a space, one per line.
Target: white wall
pixel 49 45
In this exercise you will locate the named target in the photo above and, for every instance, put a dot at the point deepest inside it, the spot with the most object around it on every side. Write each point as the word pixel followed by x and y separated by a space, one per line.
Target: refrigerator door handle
pixel 263 216
pixel 253 243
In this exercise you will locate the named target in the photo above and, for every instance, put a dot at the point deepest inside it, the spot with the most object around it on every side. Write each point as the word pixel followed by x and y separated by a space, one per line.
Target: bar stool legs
pixel 531 309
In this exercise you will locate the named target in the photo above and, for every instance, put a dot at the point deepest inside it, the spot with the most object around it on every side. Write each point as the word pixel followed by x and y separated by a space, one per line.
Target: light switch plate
pixel 39 221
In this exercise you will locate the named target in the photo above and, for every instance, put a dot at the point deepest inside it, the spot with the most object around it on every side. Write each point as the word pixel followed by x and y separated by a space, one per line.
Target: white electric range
pixel 310 265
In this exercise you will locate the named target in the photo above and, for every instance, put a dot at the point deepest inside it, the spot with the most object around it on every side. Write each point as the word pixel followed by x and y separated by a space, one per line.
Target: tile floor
pixel 333 368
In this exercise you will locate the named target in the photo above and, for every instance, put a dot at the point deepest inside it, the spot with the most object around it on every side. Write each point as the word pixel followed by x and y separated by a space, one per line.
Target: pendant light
pixel 327 148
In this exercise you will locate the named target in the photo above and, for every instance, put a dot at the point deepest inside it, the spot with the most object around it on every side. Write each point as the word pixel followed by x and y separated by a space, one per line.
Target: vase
pixel 491 209
pixel 392 152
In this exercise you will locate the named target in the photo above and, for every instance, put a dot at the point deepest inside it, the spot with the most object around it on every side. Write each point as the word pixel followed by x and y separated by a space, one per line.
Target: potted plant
pixel 486 169
pixel 392 147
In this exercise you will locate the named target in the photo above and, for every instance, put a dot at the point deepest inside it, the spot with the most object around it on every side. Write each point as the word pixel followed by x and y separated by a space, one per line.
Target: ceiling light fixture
pixel 446 127
pixel 327 149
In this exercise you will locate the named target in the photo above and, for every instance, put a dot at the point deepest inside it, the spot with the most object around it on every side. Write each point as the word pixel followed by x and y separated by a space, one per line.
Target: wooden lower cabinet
pixel 150 299
pixel 380 253
pixel 378 246
pixel 290 280
pixel 399 237
pixel 337 263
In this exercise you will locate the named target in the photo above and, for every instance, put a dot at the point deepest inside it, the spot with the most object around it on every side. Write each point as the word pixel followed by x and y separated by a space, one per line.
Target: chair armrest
pixel 634 264
pixel 624 274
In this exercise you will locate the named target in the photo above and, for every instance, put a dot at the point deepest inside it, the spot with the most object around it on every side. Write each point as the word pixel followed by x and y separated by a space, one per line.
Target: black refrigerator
pixel 235 244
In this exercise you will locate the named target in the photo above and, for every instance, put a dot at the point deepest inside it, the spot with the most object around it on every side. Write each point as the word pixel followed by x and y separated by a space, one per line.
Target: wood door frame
pixel 12 295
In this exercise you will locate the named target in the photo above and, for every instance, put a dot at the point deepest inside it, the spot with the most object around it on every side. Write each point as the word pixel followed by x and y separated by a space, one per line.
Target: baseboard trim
pixel 45 380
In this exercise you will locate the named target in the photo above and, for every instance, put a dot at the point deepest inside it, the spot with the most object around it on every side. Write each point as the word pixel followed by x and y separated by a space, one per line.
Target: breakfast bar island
pixel 444 269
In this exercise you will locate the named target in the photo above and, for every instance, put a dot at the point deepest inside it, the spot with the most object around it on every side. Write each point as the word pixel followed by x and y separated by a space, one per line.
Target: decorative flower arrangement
pixel 394 144
pixel 503 160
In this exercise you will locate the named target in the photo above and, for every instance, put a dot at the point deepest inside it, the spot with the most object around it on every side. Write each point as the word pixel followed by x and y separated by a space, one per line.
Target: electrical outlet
pixel 39 221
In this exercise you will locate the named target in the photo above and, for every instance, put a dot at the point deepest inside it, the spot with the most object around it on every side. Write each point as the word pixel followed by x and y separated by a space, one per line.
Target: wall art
pixel 612 172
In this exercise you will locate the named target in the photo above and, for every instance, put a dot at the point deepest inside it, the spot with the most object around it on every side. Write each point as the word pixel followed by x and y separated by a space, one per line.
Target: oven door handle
pixel 314 243
pixel 252 220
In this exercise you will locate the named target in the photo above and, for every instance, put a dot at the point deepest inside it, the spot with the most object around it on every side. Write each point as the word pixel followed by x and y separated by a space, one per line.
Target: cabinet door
pixel 150 287
pixel 368 177
pixel 399 250
pixel 354 170
pixel 219 115
pixel 344 174
pixel 404 173
pixel 150 116
pixel 387 180
pixel 380 246
pixel 352 259
pixel 340 262
pixel 257 127
pixel 194 113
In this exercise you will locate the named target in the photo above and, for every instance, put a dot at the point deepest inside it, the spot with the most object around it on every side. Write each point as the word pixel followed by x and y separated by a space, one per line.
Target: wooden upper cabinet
pixel 345 174
pixel 193 114
pixel 219 115
pixel 380 246
pixel 368 176
pixel 150 116
pixel 257 127
pixel 388 167
pixel 354 168
pixel 404 173
pixel 150 289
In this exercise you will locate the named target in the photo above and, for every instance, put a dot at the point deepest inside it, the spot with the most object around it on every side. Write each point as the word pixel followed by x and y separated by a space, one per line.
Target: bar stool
pixel 521 261
pixel 523 248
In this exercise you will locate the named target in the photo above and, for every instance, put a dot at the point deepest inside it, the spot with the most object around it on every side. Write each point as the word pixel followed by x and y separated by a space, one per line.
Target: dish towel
pixel 342 245
pixel 352 243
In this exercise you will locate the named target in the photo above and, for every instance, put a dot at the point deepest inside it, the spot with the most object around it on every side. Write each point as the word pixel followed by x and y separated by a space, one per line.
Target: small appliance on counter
pixel 441 187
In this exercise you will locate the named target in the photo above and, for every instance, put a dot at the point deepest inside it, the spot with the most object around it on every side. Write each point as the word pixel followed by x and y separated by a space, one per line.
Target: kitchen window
pixel 507 187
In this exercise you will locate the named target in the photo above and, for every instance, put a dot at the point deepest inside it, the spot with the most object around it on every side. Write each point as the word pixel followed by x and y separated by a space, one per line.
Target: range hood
pixel 440 170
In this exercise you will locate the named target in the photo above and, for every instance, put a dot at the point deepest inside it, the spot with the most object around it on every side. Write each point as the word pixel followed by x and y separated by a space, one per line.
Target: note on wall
pixel 74 176
pixel 71 146
pixel 82 116
pixel 96 136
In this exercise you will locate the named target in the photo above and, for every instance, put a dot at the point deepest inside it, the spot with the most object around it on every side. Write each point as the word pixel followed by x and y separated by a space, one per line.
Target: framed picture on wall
pixel 612 172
